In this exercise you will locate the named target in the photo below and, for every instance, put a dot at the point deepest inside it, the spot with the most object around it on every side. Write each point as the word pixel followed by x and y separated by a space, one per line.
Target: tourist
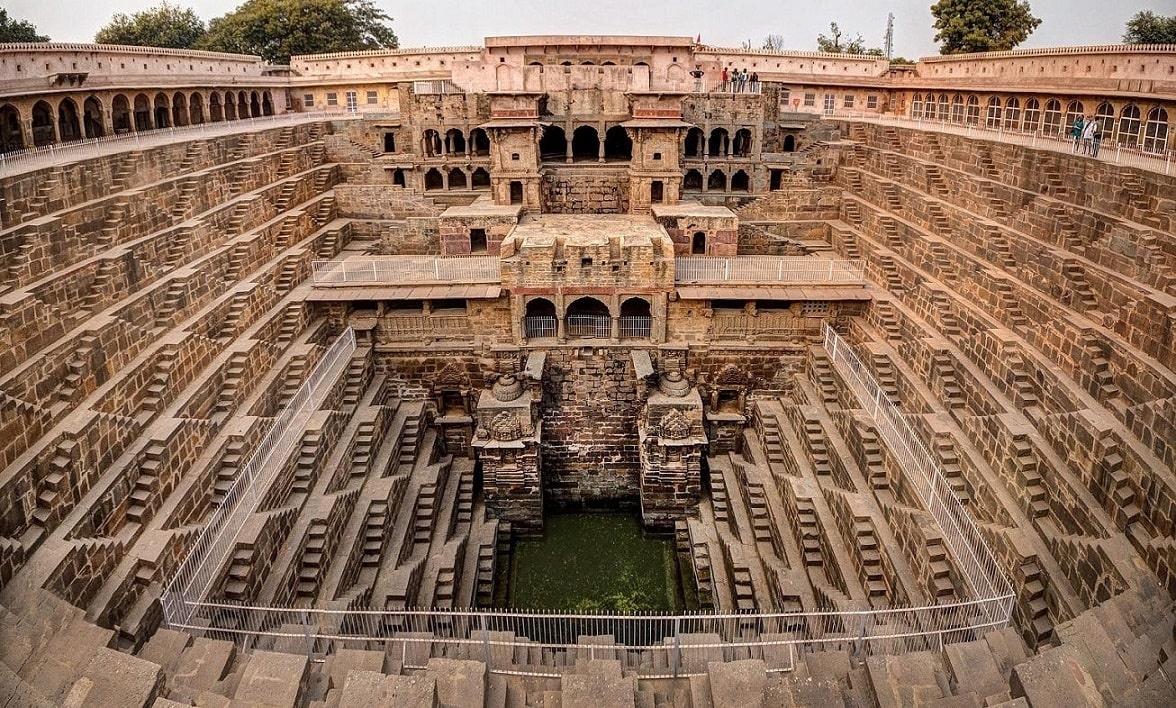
pixel 697 74
pixel 742 80
pixel 1076 131
pixel 1096 135
pixel 755 82
pixel 724 79
pixel 1088 136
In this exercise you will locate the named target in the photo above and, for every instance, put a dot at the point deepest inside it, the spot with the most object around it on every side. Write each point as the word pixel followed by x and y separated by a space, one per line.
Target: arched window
pixel 695 140
pixel 143 119
pixel 789 143
pixel 481 178
pixel 717 181
pixel 1032 120
pixel 1105 113
pixel 917 106
pixel 479 143
pixel 162 111
pixel 92 118
pixel 434 180
pixel 179 109
pixel 741 145
pixel 957 109
pixel 539 319
pixel 1129 125
pixel 692 180
pixel 457 178
pixel 554 143
pixel 1052 118
pixel 698 243
pixel 740 182
pixel 720 144
pixel 929 107
pixel 196 109
pixel 636 321
pixel 43 131
pixel 617 144
pixel 11 135
pixel 1155 132
pixel 455 142
pixel 585 143
pixel 1074 110
pixel 973 112
pixel 992 119
pixel 1012 113
pixel 941 113
pixel 216 113
pixel 68 126
pixel 588 318
pixel 398 178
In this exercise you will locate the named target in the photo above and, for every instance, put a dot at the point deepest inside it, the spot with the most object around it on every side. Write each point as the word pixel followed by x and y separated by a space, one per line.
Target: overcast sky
pixel 448 22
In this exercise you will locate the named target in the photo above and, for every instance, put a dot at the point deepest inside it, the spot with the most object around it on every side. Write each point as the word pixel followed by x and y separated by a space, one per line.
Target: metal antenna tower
pixel 889 35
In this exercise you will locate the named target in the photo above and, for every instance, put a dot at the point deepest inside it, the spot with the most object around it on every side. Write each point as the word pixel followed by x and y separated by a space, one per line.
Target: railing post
pixel 306 636
pixel 485 642
pixel 677 645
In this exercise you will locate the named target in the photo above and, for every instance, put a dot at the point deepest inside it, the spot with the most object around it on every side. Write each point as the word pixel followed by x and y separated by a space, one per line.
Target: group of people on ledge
pixel 1087 135
pixel 735 80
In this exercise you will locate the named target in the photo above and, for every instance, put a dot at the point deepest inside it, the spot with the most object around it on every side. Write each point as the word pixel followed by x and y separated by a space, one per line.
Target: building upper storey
pixel 49 67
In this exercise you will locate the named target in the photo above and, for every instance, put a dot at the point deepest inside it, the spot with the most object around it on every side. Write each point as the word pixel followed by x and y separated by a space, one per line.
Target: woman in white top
pixel 1088 136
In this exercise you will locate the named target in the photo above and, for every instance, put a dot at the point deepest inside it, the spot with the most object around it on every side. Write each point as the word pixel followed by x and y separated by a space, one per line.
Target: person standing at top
pixel 1088 136
pixel 1076 131
pixel 743 80
pixel 697 74
pixel 724 78
pixel 754 81
pixel 1096 137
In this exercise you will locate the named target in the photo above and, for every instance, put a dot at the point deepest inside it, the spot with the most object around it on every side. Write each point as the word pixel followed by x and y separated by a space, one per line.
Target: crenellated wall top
pixel 47 48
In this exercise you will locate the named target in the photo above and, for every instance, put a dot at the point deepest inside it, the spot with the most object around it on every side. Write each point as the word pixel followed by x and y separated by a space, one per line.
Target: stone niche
pixel 477 229
pixel 506 440
pixel 672 437
pixel 699 230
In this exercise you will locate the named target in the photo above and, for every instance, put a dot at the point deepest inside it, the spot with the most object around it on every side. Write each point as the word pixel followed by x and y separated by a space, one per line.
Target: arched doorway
pixel 143 120
pixel 554 143
pixel 254 105
pixel 455 142
pixel 617 144
pixel 457 178
pixel 432 143
pixel 434 180
pixel 120 114
pixel 636 321
pixel 516 192
pixel 740 182
pixel 695 140
pixel 216 112
pixel 692 180
pixel 1032 117
pixel 789 143
pixel 720 144
pixel 973 113
pixel 1155 133
pixel 698 244
pixel 92 118
pixel 741 145
pixel 68 126
pixel 196 109
pixel 398 177
pixel 1052 118
pixel 994 113
pixel 479 143
pixel 43 131
pixel 540 319
pixel 917 106
pixel 11 135
pixel 957 109
pixel 1128 126
pixel 1105 113
pixel 1012 113
pixel 588 318
pixel 242 105
pixel 267 104
pixel 585 143
pixel 1074 109
pixel 480 179
pixel 162 111
pixel 717 181
pixel 230 106
pixel 942 107
pixel 179 110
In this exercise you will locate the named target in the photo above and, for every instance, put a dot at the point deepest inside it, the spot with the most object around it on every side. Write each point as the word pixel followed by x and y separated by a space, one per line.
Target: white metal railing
pixel 766 269
pixel 407 269
pixel 535 326
pixel 975 562
pixel 636 326
pixel 1162 161
pixel 433 88
pixel 35 158
pixel 588 326
pixel 705 85
pixel 196 573
pixel 654 646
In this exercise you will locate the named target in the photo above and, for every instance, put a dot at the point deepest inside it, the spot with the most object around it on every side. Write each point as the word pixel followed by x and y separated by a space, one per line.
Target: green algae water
pixel 589 563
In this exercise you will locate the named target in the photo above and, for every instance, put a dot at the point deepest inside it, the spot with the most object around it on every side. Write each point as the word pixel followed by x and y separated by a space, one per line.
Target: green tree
pixel 981 25
pixel 163 26
pixel 18 30
pixel 834 45
pixel 1146 27
pixel 278 29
